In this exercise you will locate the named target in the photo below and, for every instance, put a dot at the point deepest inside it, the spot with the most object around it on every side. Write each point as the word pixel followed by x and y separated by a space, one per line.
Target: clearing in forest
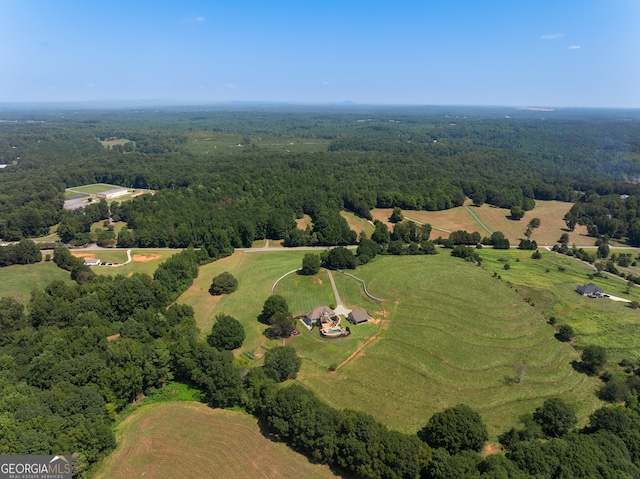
pixel 551 227
pixel 550 214
pixel 190 439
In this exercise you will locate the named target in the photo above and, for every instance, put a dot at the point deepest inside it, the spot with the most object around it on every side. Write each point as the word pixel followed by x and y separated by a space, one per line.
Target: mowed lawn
pixel 19 280
pixel 192 441
pixel 304 293
pixel 451 334
pixel 93 189
pixel 256 273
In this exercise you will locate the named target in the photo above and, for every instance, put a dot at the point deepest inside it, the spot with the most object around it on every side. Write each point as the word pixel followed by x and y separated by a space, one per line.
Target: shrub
pixel 565 333
pixel 224 283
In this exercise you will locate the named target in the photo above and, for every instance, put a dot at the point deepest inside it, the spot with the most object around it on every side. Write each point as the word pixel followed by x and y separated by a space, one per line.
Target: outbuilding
pixel 358 316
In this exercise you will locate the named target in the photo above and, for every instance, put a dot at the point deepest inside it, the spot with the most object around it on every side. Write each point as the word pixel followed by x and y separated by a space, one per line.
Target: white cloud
pixel 552 36
pixel 90 85
pixel 199 19
pixel 575 47
pixel 232 86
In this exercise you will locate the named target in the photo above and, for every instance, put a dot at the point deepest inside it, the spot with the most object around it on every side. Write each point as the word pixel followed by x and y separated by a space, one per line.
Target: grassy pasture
pixel 358 224
pixel 352 294
pixel 442 222
pixel 551 224
pixel 497 219
pixel 451 334
pixel 99 225
pixel 323 353
pixel 191 440
pixel 18 281
pixel 551 284
pixel 303 222
pixel 52 236
pixel 117 141
pixel 256 274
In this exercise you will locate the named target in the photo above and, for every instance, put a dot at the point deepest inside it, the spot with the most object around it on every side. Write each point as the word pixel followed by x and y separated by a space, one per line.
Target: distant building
pixel 74 202
pixel 590 290
pixel 92 261
pixel 3 166
pixel 358 316
pixel 115 193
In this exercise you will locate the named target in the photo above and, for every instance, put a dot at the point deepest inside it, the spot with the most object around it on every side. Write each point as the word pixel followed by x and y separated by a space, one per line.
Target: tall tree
pixel 455 429
pixel 227 333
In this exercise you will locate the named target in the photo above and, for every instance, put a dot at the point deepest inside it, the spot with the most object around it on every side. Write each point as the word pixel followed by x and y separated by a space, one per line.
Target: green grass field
pixel 304 293
pixel 452 334
pixel 448 332
pixel 256 273
pixel 551 284
pixel 93 189
pixel 18 281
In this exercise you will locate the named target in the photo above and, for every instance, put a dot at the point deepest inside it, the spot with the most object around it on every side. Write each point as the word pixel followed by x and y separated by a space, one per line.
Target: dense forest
pixel 76 355
pixel 224 178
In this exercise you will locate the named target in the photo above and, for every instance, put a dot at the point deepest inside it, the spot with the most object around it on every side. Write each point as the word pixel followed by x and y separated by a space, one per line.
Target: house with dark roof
pixel 358 316
pixel 590 290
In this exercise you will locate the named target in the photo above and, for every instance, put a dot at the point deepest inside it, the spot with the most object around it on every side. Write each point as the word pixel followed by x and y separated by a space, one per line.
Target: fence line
pixel 364 285
pixel 281 278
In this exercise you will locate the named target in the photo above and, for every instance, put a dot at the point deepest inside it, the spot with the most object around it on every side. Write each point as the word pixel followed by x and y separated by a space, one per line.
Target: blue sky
pixel 583 53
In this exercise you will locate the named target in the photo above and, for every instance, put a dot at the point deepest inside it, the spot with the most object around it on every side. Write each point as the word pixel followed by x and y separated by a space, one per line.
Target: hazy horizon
pixel 570 54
